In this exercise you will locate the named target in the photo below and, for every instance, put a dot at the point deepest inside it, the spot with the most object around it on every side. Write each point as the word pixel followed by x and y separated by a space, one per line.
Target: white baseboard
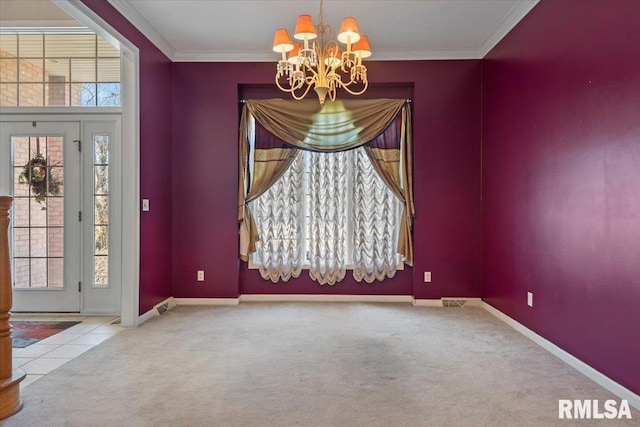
pixel 324 298
pixel 146 316
pixel 591 373
pixel 427 302
pixel 206 301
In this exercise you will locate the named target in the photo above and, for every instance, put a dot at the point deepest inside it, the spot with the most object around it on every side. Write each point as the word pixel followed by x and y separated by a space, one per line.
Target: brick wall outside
pixel 38 228
pixel 36 87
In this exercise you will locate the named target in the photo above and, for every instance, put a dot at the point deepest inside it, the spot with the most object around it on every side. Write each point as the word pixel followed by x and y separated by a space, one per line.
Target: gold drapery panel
pixel 387 162
pixel 338 126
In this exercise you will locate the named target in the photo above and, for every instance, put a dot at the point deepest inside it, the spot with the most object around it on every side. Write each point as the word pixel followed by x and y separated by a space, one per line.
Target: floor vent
pixel 453 302
pixel 162 308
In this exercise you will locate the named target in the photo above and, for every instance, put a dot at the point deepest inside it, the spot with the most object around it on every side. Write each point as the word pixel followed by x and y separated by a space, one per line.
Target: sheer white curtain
pixel 376 219
pixel 280 254
pixel 329 212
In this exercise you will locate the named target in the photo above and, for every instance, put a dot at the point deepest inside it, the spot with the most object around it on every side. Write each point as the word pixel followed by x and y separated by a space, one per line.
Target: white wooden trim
pixel 427 302
pixel 381 55
pixel 146 316
pixel 588 371
pixel 130 93
pixel 516 14
pixel 206 301
pixel 138 21
pixel 324 298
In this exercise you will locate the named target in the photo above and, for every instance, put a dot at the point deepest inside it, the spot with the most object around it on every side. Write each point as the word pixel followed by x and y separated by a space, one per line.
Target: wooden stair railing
pixel 10 401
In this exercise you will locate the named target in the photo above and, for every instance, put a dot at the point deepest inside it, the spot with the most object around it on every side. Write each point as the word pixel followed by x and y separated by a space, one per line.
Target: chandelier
pixel 319 61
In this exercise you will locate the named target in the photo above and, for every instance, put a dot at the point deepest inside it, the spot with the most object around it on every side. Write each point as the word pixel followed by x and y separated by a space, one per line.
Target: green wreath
pixel 40 178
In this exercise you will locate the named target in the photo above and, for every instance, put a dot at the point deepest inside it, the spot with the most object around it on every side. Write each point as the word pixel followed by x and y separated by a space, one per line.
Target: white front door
pixel 64 233
pixel 40 164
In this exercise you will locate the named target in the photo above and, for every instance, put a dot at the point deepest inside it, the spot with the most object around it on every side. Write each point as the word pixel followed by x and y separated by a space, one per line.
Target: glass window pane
pixel 20 212
pixel 58 94
pixel 8 70
pixel 54 151
pixel 101 180
pixel 108 94
pixel 57 70
pixel 56 272
pixel 84 94
pixel 20 187
pixel 101 238
pixel 101 271
pixel 31 70
pixel 21 242
pixel 105 50
pixel 38 213
pixel 56 242
pixel 101 210
pixel 39 242
pixel 101 149
pixel 70 45
pixel 30 45
pixel 21 273
pixel 38 272
pixel 83 70
pixel 8 45
pixel 31 95
pixel 109 70
pixel 55 211
pixel 8 95
pixel 20 150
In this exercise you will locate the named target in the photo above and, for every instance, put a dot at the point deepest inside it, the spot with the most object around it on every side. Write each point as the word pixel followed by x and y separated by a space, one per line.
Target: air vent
pixel 453 302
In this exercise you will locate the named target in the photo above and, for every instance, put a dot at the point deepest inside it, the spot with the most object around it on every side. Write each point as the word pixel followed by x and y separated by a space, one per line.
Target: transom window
pixel 41 69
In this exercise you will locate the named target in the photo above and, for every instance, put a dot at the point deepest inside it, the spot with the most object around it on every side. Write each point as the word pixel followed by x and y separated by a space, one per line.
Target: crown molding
pixel 514 16
pixel 267 56
pixel 138 21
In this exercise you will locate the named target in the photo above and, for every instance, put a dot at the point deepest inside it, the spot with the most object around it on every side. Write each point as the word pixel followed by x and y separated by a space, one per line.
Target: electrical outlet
pixel 427 277
pixel 530 299
pixel 200 275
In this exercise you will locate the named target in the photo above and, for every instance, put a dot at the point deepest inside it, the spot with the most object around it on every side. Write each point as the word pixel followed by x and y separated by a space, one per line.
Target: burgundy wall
pixel 561 180
pixel 155 159
pixel 447 189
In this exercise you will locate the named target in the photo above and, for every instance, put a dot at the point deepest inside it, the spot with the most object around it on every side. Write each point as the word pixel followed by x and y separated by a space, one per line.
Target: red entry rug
pixel 25 333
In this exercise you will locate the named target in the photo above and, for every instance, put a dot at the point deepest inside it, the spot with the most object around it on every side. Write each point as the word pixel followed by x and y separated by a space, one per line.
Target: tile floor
pixel 38 359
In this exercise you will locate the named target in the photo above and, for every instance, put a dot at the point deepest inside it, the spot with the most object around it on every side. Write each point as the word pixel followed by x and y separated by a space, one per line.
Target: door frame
pixel 130 109
pixel 86 125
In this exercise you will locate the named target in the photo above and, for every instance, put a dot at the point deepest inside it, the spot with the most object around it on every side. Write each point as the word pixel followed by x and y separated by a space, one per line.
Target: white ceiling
pixel 242 30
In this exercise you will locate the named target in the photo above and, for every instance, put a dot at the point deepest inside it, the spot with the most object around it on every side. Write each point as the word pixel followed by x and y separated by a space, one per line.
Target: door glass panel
pixel 101 211
pixel 37 220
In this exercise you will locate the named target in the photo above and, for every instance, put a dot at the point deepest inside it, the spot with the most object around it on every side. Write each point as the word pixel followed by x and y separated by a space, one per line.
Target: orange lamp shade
pixel 282 41
pixel 293 55
pixel 349 32
pixel 305 28
pixel 362 48
pixel 333 57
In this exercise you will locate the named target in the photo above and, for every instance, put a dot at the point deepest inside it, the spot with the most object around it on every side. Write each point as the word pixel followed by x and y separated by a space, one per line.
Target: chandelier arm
pixel 352 92
pixel 284 89
pixel 298 98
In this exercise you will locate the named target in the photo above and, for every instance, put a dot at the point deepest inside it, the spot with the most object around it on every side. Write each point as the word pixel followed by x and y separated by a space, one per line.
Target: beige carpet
pixel 313 364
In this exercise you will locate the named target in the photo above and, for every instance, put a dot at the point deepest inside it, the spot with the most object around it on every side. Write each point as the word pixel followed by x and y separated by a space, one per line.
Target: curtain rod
pixel 243 101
